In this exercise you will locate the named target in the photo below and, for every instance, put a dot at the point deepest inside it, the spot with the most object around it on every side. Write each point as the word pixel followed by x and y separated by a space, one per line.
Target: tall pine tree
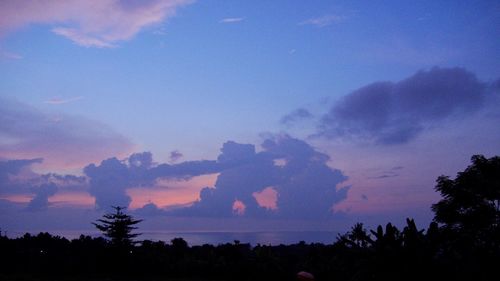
pixel 118 227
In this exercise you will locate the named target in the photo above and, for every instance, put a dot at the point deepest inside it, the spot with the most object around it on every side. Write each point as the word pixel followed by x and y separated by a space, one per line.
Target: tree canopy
pixel 118 227
pixel 471 202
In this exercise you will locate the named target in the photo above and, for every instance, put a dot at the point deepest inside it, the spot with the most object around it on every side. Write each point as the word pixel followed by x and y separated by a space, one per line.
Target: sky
pixel 241 115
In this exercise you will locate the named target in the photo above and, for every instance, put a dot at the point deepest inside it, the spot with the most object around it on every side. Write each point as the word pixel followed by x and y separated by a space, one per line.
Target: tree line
pixel 461 243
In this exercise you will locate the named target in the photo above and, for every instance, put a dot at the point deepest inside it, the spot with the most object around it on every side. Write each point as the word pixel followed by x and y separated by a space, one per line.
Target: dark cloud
pixel 384 176
pixel 302 182
pixel 495 86
pixel 149 210
pixel 235 153
pixel 10 168
pixel 175 155
pixel 42 194
pixel 184 170
pixel 305 185
pixel 109 180
pixel 62 139
pixel 295 116
pixel 386 173
pixel 66 182
pixel 287 179
pixel 394 113
pixel 17 177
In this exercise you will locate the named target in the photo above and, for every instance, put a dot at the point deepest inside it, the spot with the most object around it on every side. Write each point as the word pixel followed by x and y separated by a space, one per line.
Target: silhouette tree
pixel 471 202
pixel 118 227
pixel 470 217
pixel 358 237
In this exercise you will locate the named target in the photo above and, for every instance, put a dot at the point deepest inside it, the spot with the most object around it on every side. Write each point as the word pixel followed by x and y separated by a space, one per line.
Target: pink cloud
pixel 267 198
pixel 89 23
pixel 72 198
pixel 239 207
pixel 171 192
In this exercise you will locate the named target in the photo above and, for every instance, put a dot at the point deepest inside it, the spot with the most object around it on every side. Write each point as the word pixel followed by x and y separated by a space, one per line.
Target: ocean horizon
pixel 196 238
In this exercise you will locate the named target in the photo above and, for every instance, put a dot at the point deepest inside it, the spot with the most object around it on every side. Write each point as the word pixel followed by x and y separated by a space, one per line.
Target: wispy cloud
pixel 57 100
pixel 231 20
pixel 323 20
pixel 295 116
pixel 68 141
pixel 175 155
pixel 12 56
pixel 88 23
pixel 82 39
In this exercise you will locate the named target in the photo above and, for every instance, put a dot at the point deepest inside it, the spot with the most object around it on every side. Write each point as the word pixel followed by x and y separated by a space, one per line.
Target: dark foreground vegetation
pixel 462 243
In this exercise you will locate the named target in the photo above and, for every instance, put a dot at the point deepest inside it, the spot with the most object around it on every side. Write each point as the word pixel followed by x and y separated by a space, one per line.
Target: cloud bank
pixel 89 23
pixel 109 180
pixel 395 113
pixel 288 178
pixel 26 132
pixel 18 178
pixel 302 185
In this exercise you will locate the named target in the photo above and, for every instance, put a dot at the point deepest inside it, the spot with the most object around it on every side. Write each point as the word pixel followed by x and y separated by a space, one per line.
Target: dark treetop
pixel 118 227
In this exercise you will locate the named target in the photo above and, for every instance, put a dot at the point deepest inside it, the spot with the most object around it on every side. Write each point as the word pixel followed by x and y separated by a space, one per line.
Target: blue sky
pixel 129 76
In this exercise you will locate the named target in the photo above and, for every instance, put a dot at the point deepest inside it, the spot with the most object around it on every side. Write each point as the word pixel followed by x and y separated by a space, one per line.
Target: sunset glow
pixel 168 193
pixel 254 115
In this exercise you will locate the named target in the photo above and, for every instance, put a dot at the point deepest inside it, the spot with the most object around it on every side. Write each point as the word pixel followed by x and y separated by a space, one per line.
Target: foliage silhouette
pixel 451 248
pixel 118 227
pixel 471 202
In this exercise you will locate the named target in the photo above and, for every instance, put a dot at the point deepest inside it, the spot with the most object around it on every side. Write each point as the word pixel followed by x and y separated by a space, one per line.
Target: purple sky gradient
pixel 244 116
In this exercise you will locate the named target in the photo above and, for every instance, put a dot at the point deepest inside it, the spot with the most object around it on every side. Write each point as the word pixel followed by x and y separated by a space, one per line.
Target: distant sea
pixel 215 238
pixel 254 238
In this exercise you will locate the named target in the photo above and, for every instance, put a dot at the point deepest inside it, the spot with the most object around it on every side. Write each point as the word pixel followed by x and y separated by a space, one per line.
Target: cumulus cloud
pixel 149 210
pixel 42 194
pixel 72 141
pixel 295 116
pixel 89 23
pixel 395 113
pixel 288 178
pixel 109 180
pixel 304 187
